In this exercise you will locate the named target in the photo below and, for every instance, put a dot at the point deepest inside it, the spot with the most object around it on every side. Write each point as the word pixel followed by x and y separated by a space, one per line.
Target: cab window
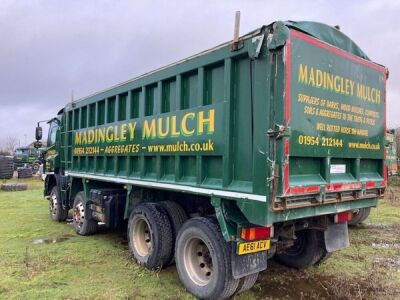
pixel 51 140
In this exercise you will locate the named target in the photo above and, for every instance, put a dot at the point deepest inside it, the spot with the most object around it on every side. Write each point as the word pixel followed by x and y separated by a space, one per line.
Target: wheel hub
pixel 142 237
pixel 53 204
pixel 198 261
pixel 79 214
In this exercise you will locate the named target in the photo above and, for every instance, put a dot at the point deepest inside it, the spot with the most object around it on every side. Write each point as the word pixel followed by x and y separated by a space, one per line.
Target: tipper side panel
pixel 187 125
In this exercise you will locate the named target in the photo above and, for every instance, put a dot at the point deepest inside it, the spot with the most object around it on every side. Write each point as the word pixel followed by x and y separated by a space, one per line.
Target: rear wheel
pixel 57 212
pixel 150 235
pixel 308 249
pixel 246 283
pixel 359 216
pixel 177 216
pixel 203 260
pixel 83 223
pixel 365 213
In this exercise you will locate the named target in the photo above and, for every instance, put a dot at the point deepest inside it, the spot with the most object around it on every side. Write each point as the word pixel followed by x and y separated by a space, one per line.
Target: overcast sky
pixel 49 48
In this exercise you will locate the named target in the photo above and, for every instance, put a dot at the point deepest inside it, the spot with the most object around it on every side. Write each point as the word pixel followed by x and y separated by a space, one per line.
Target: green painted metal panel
pixel 241 121
pixel 337 102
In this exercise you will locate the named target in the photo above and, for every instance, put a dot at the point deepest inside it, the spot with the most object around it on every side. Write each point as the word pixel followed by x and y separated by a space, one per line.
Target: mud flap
pixel 243 265
pixel 336 237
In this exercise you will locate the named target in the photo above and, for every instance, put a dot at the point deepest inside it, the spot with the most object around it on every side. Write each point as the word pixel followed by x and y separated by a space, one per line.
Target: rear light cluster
pixel 256 233
pixel 344 217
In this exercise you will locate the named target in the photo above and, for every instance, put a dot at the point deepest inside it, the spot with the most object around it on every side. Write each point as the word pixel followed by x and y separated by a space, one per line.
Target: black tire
pixel 83 223
pixel 365 213
pixel 150 235
pixel 25 173
pixel 307 250
pixel 57 212
pixel 13 187
pixel 246 283
pixel 203 260
pixel 359 216
pixel 35 167
pixel 6 167
pixel 177 217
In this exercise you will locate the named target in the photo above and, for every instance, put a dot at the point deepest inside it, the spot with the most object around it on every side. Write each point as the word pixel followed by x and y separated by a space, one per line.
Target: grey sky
pixel 49 48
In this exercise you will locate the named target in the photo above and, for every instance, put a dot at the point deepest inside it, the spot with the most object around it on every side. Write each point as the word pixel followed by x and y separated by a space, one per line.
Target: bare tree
pixel 8 145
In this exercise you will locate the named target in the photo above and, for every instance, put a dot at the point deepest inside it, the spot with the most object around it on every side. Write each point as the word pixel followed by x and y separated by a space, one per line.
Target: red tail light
pixel 257 233
pixel 344 217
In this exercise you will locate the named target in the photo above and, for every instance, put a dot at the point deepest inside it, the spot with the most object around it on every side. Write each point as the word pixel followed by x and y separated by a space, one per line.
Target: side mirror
pixel 39 132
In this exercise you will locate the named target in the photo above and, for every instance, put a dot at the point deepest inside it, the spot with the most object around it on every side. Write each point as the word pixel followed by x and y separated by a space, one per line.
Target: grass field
pixel 41 259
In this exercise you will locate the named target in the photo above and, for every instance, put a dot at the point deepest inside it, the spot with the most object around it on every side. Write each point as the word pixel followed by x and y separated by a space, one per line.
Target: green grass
pixel 100 266
pixel 96 267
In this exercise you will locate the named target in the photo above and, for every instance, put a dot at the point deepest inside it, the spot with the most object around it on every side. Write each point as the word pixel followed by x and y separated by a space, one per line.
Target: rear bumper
pixel 319 210
pixel 329 194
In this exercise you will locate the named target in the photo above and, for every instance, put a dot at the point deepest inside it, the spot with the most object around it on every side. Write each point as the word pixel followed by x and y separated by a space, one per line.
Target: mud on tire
pixel 83 223
pixel 203 260
pixel 307 250
pixel 359 216
pixel 246 283
pixel 150 235
pixel 177 217
pixel 57 212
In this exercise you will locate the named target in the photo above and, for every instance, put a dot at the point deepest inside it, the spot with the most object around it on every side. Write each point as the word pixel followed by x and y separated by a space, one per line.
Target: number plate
pixel 251 247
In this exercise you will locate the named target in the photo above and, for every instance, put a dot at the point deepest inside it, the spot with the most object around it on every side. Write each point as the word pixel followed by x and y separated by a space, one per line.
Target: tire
pixel 325 256
pixel 307 250
pixel 57 212
pixel 246 283
pixel 177 217
pixel 150 235
pixel 25 173
pixel 83 224
pixel 203 260
pixel 359 216
pixel 365 214
pixel 35 167
pixel 13 187
pixel 6 167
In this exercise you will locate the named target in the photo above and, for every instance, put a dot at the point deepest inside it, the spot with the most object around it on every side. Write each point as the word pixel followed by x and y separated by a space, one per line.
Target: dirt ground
pixel 47 260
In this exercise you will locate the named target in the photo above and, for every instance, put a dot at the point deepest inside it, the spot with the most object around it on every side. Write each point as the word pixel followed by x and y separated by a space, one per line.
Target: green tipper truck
pixel 217 162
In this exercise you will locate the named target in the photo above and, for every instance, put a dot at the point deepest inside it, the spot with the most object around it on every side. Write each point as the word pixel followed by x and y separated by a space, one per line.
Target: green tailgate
pixel 335 124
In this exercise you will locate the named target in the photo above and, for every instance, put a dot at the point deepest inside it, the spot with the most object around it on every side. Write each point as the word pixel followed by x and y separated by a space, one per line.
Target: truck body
pixel 277 137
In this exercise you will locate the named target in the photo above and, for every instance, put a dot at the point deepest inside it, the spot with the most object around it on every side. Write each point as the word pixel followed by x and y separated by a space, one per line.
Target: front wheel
pixel 203 260
pixel 57 212
pixel 83 223
pixel 307 250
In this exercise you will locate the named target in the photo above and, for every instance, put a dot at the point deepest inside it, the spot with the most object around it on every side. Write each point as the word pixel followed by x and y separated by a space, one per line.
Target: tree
pixel 8 145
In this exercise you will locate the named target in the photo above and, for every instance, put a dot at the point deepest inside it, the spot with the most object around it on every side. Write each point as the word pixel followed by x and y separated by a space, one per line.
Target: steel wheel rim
pixel 79 214
pixel 142 237
pixel 53 204
pixel 198 261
